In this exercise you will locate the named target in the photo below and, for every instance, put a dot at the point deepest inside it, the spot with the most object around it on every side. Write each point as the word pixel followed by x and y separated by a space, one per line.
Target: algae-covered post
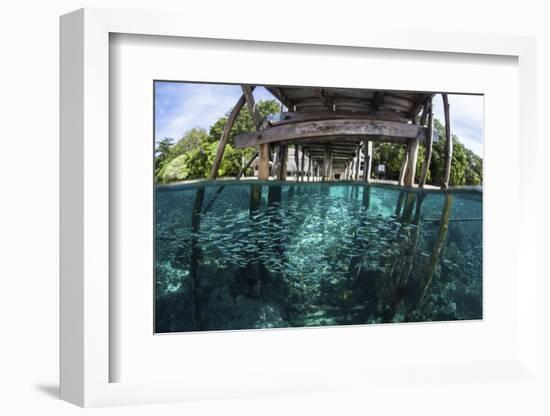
pixel 428 145
pixel 448 143
pixel 427 277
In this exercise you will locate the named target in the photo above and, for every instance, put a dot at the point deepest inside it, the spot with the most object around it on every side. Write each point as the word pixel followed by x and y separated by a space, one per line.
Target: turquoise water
pixel 245 255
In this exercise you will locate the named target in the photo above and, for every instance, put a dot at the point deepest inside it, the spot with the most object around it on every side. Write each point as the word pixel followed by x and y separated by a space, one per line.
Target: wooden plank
pixel 225 135
pixel 448 143
pixel 429 147
pixel 351 129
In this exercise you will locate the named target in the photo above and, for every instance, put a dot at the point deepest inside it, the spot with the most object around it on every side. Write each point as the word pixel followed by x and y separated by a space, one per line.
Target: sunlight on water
pixel 242 255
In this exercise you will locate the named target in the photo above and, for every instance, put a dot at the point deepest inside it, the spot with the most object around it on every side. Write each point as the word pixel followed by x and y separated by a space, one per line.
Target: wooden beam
pixel 429 147
pixel 247 92
pixel 448 143
pixel 225 135
pixel 280 95
pixel 351 129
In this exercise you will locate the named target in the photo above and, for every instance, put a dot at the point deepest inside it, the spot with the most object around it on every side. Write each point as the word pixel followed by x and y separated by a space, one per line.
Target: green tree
pixel 244 122
pixel 193 155
pixel 162 152
pixel 466 166
pixel 191 140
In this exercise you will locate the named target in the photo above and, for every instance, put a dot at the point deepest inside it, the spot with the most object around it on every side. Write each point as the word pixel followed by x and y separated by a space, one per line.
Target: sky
pixel 180 107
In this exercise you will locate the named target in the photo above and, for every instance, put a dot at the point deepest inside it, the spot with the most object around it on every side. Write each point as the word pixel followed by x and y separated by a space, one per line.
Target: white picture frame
pixel 85 213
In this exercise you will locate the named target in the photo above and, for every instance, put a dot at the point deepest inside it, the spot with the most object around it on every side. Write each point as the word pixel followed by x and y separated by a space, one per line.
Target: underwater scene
pixel 235 255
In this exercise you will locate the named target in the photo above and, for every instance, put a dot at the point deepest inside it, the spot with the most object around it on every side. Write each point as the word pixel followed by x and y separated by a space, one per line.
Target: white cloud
pixel 181 107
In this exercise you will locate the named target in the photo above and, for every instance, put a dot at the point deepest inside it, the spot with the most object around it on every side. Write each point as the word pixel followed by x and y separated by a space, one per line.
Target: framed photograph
pixel 274 215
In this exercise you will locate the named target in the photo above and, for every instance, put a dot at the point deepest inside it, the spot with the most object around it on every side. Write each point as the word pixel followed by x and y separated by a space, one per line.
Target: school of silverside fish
pixel 318 254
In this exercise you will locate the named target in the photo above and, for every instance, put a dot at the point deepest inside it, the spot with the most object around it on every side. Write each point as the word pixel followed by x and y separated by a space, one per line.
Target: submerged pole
pixel 195 256
pixel 438 246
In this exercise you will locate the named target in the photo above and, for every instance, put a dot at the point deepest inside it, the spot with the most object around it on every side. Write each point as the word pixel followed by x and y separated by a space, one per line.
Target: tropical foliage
pixel 466 166
pixel 191 157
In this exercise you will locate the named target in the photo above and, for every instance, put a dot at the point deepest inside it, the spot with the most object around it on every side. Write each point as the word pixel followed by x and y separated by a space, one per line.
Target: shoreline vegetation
pixel 190 158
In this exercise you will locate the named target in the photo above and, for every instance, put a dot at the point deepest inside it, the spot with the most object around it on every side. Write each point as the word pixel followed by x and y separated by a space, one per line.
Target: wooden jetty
pixel 333 131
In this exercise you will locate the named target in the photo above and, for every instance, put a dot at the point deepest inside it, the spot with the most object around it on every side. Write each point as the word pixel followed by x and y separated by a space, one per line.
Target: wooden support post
pixel 357 161
pixel 436 251
pixel 282 157
pixel 448 143
pixel 225 135
pixel 309 168
pixel 410 171
pixel 263 165
pixel 331 165
pixel 429 147
pixel 367 151
pixel 325 163
pixel 302 170
pixel 404 164
pixel 263 149
pixel 296 163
